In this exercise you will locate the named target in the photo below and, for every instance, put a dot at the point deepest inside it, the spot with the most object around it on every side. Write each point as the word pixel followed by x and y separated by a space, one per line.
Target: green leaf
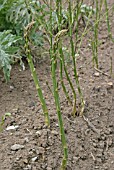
pixel 7 49
pixel 12 50
pixel 7 114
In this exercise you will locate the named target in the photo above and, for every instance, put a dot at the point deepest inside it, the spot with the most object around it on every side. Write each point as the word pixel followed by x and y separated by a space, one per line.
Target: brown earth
pixel 90 139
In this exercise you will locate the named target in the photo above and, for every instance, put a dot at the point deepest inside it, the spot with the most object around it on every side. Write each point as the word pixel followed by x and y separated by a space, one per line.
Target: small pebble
pixel 16 147
pixel 17 159
pixel 57 125
pixel 96 167
pixel 25 161
pixel 110 85
pixel 95 145
pixel 29 167
pixel 109 142
pixel 108 131
pixel 96 74
pixel 38 133
pixel 54 132
pixel 12 127
pixel 75 159
pixel 11 87
pixel 48 168
pixel 34 159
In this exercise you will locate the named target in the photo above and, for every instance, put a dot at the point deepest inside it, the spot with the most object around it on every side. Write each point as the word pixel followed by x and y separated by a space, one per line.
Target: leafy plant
pixel 5 5
pixel 20 14
pixel 23 12
pixel 86 10
pixel 3 120
pixel 7 51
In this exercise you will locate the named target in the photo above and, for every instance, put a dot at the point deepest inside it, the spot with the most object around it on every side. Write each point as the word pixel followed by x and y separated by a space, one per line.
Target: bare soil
pixel 90 138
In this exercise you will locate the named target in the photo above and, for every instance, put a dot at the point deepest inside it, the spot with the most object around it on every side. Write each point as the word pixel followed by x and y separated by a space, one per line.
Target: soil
pixel 90 138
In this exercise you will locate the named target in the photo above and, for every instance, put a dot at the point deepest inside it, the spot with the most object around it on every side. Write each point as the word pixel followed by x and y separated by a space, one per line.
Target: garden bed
pixel 90 138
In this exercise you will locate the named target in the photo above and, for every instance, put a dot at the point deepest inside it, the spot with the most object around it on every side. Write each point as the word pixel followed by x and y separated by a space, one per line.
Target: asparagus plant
pixel 53 52
pixel 61 56
pixel 74 60
pixel 34 75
